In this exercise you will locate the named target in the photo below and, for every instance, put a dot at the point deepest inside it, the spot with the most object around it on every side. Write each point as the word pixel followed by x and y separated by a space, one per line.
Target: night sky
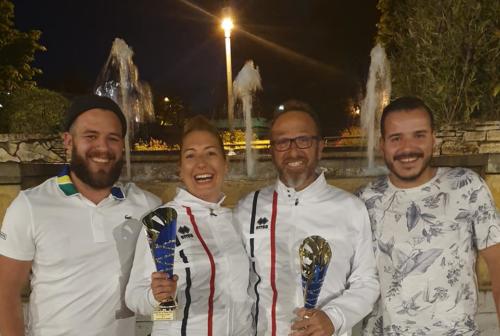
pixel 180 51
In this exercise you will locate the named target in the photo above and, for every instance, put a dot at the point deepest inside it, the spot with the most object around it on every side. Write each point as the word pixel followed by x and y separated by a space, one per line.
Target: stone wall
pixel 454 139
pixel 31 148
pixel 469 138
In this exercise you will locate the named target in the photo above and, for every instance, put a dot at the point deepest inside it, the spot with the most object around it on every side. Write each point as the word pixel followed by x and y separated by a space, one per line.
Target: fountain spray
pixel 119 80
pixel 378 93
pixel 246 83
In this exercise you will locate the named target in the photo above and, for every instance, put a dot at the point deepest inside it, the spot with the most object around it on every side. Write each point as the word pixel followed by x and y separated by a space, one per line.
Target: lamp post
pixel 227 25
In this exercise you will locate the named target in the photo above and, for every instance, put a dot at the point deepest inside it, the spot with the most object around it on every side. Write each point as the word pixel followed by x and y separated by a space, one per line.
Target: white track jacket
pixel 274 221
pixel 213 272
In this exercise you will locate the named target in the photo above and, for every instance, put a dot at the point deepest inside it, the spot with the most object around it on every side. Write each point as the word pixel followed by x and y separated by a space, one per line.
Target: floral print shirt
pixel 426 241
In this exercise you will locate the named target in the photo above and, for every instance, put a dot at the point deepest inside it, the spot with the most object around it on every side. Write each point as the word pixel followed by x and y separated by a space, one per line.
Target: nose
pixel 101 143
pixel 406 142
pixel 200 162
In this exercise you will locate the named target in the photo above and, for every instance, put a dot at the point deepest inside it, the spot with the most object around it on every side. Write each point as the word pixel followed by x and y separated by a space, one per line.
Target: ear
pixel 321 146
pixel 68 144
pixel 381 143
pixel 179 171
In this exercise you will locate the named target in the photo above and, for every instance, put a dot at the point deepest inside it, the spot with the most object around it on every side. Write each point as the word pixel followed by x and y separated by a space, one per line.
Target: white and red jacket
pixel 274 221
pixel 213 272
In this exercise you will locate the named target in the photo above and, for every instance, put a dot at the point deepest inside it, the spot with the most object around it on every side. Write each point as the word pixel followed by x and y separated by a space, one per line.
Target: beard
pixel 297 179
pixel 100 179
pixel 293 180
pixel 409 178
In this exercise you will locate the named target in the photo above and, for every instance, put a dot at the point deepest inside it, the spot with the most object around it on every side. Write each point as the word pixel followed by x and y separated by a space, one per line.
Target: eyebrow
pixel 414 132
pixel 91 131
pixel 204 148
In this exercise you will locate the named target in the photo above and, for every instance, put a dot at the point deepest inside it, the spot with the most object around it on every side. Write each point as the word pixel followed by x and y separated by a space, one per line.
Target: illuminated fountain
pixel 119 80
pixel 378 93
pixel 246 83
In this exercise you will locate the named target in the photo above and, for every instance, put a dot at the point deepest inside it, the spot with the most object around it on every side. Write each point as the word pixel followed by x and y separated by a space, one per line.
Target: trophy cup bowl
pixel 315 255
pixel 161 229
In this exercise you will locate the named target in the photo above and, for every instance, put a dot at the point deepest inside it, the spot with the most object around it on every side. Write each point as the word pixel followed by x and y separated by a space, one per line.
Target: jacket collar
pixel 312 191
pixel 187 199
pixel 68 188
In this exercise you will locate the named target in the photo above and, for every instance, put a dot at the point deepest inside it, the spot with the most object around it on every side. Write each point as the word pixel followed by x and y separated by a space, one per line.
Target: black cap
pixel 84 103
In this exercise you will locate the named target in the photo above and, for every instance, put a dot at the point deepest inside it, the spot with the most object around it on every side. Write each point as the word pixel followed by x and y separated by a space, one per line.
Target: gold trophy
pixel 315 255
pixel 161 229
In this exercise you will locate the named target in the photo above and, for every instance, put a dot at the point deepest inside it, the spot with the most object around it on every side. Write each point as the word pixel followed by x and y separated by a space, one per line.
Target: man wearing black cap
pixel 76 233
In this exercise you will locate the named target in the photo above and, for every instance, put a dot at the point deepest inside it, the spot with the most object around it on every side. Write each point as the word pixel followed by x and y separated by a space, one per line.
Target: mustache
pixel 104 155
pixel 297 158
pixel 408 155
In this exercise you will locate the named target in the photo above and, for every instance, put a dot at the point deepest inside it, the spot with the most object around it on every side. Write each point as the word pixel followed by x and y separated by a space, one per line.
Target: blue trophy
pixel 161 229
pixel 315 255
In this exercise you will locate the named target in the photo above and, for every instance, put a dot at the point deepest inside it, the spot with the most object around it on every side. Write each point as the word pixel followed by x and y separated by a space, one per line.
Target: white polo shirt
pixel 81 252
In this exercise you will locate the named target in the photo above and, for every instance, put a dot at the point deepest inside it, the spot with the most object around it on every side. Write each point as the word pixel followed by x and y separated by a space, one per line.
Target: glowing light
pixel 227 25
pixel 166 99
pixel 281 107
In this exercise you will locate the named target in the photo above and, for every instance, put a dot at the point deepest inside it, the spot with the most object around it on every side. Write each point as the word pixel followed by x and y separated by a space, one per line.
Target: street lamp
pixel 227 25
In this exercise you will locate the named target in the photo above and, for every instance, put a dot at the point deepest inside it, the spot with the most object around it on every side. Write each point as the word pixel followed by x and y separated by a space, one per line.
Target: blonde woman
pixel 211 267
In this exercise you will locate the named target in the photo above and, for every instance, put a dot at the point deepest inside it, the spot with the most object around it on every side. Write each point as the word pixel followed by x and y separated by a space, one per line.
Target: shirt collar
pixel 68 188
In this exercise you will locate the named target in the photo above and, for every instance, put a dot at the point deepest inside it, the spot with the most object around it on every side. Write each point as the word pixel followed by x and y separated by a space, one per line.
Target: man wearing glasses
pixel 274 222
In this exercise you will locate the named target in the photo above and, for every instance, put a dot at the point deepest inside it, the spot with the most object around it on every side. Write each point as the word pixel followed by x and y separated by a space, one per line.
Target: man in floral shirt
pixel 428 225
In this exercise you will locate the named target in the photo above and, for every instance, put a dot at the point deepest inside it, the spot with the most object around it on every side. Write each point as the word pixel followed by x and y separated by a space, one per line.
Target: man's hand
pixel 163 288
pixel 312 322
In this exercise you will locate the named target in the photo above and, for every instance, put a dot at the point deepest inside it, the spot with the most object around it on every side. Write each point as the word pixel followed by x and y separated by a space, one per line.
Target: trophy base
pixel 163 315
pixel 166 311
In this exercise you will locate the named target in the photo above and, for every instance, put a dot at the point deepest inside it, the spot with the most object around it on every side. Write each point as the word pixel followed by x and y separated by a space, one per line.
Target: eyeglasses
pixel 302 142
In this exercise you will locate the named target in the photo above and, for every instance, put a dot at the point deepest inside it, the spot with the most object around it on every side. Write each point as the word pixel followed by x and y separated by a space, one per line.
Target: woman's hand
pixel 163 288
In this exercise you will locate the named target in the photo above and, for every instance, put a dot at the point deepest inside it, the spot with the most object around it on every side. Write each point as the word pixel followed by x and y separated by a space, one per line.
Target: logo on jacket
pixel 3 235
pixel 185 232
pixel 262 223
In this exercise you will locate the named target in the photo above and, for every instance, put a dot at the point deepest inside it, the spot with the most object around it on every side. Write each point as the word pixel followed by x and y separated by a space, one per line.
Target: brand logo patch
pixel 262 223
pixel 185 232
pixel 3 235
pixel 128 217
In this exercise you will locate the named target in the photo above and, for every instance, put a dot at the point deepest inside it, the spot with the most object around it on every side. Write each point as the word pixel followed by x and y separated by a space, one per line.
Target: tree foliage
pixel 446 52
pixel 17 51
pixel 32 110
pixel 171 112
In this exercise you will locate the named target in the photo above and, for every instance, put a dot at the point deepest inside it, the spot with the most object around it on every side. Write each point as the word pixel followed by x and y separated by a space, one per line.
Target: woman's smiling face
pixel 203 165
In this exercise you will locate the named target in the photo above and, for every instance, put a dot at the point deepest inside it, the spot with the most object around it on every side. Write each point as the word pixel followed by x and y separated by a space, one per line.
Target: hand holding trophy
pixel 161 229
pixel 315 255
